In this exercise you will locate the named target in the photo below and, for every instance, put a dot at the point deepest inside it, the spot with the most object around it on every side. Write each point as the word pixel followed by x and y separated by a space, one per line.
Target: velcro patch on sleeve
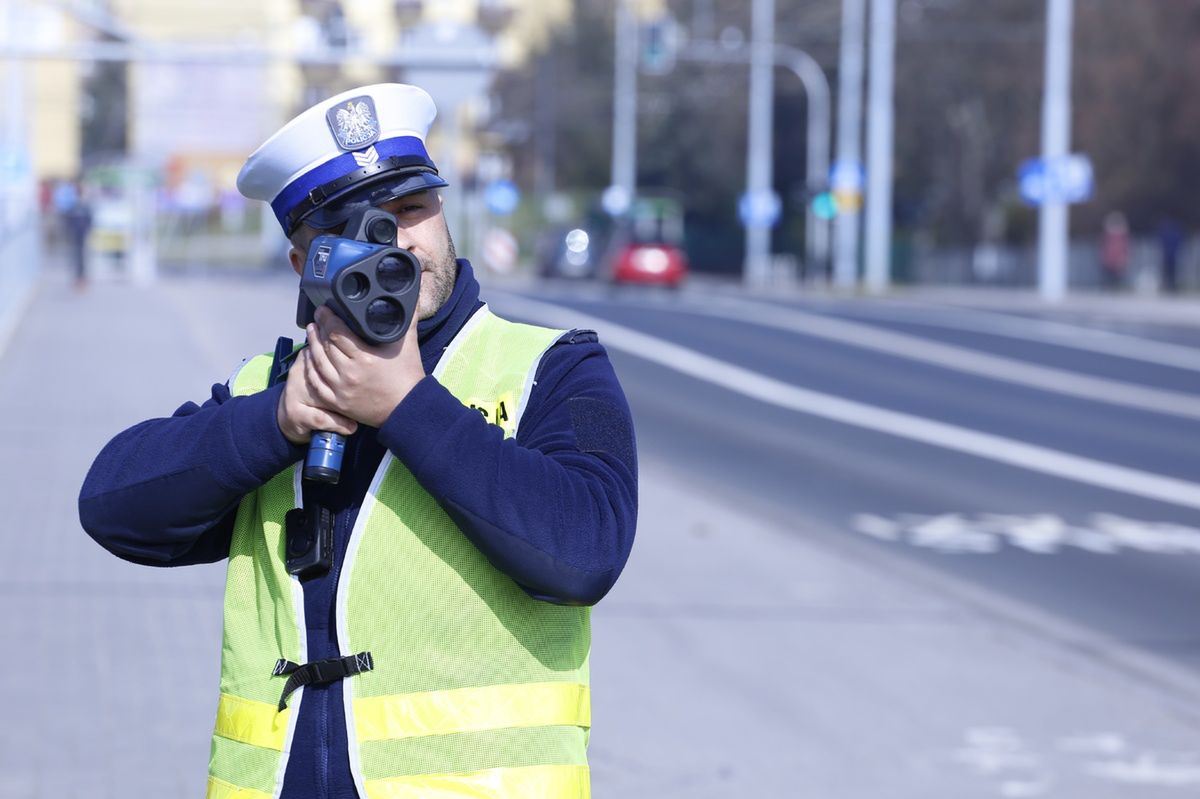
pixel 603 428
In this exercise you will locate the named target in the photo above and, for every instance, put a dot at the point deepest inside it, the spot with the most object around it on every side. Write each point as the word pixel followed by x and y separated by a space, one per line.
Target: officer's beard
pixel 437 281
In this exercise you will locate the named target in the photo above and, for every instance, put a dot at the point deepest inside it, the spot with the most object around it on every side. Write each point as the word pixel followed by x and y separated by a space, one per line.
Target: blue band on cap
pixel 297 191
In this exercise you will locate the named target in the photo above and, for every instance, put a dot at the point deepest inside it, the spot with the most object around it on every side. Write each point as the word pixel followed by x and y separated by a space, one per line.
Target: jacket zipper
pixel 339 528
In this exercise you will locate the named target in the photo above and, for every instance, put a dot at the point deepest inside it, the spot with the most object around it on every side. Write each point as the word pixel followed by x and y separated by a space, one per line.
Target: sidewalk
pixel 736 657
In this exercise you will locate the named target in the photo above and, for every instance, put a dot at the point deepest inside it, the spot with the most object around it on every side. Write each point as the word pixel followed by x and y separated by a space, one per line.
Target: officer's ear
pixel 297 256
pixel 301 240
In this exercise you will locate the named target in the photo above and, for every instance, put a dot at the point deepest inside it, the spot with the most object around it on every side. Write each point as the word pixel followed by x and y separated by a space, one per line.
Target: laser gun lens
pixel 382 231
pixel 394 275
pixel 384 317
pixel 355 286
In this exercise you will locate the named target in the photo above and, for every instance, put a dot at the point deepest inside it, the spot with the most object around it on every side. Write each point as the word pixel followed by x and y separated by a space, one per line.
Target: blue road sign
pixel 760 209
pixel 847 177
pixel 1065 180
pixel 502 197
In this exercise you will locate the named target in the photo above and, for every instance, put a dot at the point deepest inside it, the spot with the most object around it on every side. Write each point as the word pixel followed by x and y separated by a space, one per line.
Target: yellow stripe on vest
pixel 219 789
pixel 257 723
pixel 472 710
pixel 543 782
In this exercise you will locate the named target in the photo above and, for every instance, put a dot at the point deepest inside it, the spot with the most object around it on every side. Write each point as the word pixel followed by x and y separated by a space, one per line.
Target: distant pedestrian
pixel 1114 249
pixel 1170 240
pixel 77 221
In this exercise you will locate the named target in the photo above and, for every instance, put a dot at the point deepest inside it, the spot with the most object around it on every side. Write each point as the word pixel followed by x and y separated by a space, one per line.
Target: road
pixel 1120 562
pixel 886 548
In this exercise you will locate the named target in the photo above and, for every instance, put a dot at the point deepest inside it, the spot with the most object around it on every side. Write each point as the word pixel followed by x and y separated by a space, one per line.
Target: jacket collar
pixel 436 332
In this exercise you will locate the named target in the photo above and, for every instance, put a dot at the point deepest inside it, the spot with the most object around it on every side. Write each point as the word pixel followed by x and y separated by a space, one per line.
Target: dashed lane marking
pixel 1044 460
pixel 1038 533
pixel 1020 766
pixel 1042 331
pixel 960 359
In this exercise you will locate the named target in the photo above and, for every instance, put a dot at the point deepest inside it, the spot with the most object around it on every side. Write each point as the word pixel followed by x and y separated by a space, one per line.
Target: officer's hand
pixel 300 414
pixel 356 379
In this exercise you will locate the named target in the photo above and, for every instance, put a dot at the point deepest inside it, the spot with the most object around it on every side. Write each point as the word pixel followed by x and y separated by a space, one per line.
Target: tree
pixel 968 112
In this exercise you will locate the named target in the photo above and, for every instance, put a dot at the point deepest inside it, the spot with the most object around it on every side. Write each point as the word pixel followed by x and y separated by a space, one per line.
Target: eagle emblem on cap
pixel 354 123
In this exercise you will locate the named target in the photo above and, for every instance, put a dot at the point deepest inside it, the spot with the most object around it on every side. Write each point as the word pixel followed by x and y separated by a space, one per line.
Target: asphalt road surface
pixel 1108 539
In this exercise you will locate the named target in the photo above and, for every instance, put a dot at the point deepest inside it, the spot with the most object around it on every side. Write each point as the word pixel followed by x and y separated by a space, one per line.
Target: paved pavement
pixel 760 663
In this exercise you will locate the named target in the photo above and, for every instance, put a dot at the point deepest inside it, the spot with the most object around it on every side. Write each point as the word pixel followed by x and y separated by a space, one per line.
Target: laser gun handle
pixel 324 461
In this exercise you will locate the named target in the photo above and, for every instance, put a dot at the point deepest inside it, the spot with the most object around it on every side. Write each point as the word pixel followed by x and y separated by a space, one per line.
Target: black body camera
pixel 309 541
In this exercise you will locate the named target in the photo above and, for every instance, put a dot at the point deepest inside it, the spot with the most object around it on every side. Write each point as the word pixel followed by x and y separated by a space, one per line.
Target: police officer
pixel 488 497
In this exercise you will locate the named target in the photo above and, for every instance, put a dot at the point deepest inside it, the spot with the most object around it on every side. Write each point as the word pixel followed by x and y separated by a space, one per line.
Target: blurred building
pixel 201 96
pixel 42 98
pixel 209 79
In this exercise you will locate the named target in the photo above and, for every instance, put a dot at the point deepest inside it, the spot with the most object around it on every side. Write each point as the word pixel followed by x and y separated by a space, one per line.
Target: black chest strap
pixel 285 352
pixel 319 671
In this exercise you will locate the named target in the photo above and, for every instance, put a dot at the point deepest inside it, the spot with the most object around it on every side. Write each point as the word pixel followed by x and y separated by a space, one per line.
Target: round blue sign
pixel 502 197
pixel 759 209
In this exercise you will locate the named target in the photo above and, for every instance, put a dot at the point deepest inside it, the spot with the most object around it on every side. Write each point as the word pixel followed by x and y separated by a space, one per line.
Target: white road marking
pixel 1017 768
pixel 961 359
pixel 1009 451
pixel 1148 769
pixel 1104 743
pixel 1089 339
pixel 991 750
pixel 1038 533
pixel 1021 789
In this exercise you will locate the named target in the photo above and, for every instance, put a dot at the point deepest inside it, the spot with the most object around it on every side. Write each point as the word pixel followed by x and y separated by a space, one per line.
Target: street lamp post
pixel 816 88
pixel 624 138
pixel 759 156
pixel 880 116
pixel 849 142
pixel 1056 140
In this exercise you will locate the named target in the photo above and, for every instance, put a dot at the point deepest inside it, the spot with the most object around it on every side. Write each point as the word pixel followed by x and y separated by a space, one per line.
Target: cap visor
pixel 336 211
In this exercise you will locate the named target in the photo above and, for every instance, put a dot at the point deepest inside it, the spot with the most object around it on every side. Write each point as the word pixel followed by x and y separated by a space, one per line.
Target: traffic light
pixel 659 43
pixel 824 206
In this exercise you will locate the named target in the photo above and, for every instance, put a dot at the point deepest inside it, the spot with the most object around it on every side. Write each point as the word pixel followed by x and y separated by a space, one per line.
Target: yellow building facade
pixel 43 94
pixel 187 109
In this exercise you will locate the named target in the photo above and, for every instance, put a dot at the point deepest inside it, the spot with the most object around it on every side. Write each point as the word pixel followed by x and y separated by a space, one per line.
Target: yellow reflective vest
pixel 477 690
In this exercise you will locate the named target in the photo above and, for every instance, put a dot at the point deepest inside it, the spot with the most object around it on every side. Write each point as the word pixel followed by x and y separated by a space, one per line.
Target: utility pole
pixel 545 109
pixel 624 140
pixel 759 156
pixel 1053 220
pixel 703 20
pixel 816 88
pixel 880 145
pixel 848 170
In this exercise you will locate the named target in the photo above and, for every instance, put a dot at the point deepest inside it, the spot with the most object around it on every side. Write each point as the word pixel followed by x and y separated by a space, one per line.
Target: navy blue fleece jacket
pixel 554 508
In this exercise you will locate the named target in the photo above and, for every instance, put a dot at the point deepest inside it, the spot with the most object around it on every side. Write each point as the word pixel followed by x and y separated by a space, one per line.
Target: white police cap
pixel 363 145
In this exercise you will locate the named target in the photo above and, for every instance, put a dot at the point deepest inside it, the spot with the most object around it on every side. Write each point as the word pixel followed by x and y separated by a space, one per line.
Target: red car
pixel 651 251
pixel 659 264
